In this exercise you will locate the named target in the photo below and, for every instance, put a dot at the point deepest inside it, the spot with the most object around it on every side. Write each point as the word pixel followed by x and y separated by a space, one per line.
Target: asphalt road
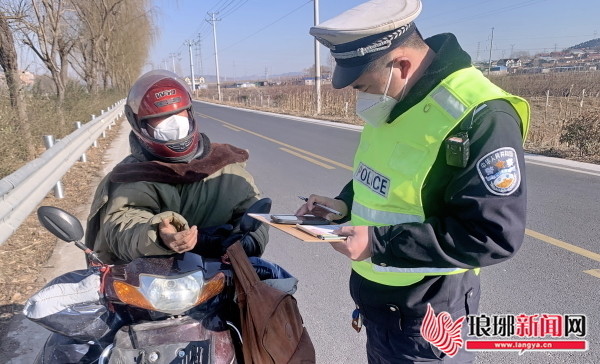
pixel 557 270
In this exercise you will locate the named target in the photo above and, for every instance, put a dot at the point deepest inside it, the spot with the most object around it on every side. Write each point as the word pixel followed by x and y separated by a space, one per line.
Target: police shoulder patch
pixel 499 171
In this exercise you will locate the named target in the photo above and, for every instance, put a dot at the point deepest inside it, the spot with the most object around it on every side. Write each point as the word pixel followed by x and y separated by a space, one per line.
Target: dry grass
pixel 45 119
pixel 555 99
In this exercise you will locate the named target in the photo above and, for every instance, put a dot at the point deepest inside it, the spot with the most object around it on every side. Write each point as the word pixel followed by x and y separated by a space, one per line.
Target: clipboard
pixel 292 230
pixel 323 232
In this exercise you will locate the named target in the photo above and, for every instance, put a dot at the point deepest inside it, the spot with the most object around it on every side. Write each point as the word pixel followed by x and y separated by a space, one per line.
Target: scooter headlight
pixel 172 295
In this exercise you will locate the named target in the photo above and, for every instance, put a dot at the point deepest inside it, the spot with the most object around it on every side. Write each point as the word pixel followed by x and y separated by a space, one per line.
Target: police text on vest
pixel 376 182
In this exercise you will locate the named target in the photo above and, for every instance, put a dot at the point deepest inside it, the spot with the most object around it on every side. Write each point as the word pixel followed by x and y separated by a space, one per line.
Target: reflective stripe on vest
pixel 382 217
pixel 392 163
pixel 425 271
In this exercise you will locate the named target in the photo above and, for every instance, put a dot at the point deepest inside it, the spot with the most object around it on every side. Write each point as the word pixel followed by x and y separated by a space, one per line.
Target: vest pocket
pixel 408 159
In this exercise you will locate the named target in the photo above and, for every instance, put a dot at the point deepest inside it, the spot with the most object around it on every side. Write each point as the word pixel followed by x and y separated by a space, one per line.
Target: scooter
pixel 162 309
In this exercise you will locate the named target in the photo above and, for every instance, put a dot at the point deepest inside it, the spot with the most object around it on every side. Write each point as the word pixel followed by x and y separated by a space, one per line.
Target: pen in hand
pixel 322 206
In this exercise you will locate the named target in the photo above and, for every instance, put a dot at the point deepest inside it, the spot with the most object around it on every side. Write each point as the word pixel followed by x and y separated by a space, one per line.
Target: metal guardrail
pixel 23 190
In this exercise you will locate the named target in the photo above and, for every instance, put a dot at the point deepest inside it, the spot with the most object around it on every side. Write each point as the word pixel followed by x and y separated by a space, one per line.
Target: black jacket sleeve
pixel 466 224
pixel 346 196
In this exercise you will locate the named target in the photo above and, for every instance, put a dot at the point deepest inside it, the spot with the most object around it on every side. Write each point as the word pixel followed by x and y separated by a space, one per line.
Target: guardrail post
pixel 83 157
pixel 58 188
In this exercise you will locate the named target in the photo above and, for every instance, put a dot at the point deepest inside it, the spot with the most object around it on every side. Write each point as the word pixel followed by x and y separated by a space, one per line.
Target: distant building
pixel 509 62
pixel 199 81
pixel 309 81
pixel 498 70
pixel 27 78
pixel 245 85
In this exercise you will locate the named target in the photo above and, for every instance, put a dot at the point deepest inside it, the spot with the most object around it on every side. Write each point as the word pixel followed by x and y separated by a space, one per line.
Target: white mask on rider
pixel 172 128
pixel 375 109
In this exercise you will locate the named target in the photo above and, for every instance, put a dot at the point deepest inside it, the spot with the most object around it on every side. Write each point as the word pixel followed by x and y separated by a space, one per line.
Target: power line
pixel 454 10
pixel 232 10
pixel 230 6
pixel 266 26
pixel 216 6
pixel 199 45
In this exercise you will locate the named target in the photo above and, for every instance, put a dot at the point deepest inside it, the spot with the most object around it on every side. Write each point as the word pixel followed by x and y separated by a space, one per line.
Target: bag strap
pixel 244 271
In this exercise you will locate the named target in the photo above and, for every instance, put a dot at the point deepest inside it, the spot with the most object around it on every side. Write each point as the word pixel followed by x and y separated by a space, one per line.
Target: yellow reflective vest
pixel 393 161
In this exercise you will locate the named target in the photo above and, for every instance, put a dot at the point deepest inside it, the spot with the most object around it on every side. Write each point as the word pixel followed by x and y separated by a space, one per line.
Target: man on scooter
pixel 176 191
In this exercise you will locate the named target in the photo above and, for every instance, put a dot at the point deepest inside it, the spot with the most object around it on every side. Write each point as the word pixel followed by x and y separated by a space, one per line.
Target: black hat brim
pixel 344 75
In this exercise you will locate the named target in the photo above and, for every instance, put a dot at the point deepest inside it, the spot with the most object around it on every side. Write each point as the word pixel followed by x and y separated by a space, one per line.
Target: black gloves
pixel 213 241
pixel 210 239
pixel 251 247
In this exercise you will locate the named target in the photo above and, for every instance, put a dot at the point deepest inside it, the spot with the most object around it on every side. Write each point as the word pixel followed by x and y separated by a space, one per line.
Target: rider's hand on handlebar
pixel 310 208
pixel 178 241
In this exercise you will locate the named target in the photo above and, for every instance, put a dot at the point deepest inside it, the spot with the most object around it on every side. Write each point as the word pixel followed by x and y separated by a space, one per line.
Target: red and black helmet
pixel 161 93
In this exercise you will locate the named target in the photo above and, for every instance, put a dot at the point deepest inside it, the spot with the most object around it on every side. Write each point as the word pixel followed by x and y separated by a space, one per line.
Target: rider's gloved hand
pixel 210 240
pixel 251 247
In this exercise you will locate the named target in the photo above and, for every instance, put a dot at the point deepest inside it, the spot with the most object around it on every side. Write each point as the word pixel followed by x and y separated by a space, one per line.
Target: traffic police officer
pixel 438 189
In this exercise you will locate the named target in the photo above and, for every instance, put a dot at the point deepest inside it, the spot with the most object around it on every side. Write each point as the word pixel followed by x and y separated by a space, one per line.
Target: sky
pixel 270 37
pixel 258 37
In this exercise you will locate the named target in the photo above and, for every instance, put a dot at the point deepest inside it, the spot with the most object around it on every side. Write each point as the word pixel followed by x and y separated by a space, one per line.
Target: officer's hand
pixel 310 208
pixel 178 241
pixel 357 246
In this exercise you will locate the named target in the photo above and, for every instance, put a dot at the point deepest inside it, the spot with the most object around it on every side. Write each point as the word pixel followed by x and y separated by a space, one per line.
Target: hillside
pixel 590 44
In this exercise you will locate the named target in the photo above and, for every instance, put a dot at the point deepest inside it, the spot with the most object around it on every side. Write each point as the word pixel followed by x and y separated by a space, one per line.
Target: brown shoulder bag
pixel 272 327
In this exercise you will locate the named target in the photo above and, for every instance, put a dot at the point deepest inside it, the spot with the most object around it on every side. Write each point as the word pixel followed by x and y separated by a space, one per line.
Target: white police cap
pixel 364 33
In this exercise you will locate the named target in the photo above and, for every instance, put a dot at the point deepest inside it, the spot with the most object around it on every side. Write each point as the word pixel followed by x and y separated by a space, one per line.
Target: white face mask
pixel 375 109
pixel 172 128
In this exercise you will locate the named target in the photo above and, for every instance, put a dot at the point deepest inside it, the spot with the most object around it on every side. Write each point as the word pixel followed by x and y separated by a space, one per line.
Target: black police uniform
pixel 465 226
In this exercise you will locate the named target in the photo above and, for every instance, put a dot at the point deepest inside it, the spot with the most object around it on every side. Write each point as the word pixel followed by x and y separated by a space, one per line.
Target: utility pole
pixel 331 66
pixel 165 62
pixel 317 61
pixel 189 44
pixel 173 59
pixel 234 75
pixel 490 59
pixel 213 20
pixel 199 43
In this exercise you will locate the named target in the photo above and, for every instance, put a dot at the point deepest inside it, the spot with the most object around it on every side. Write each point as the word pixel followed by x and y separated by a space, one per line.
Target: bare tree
pixel 131 46
pixel 8 61
pixel 114 37
pixel 45 30
pixel 98 21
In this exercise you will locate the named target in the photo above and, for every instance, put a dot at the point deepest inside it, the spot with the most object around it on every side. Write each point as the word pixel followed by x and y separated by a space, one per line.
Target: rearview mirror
pixel 60 223
pixel 249 224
